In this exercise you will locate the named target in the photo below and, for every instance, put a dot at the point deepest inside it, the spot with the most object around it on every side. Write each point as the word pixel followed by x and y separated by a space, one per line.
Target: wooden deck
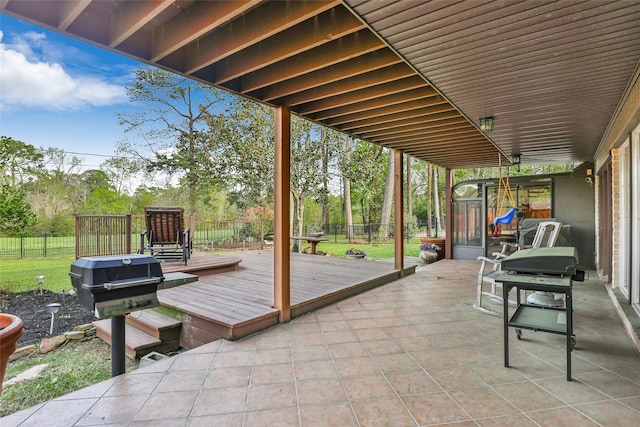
pixel 202 264
pixel 235 304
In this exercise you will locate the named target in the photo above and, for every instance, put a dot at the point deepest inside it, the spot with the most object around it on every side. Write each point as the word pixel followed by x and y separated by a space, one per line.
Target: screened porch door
pixel 468 229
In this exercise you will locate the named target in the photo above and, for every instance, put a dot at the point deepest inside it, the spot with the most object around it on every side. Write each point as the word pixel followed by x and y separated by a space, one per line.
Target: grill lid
pixel 115 271
pixel 554 260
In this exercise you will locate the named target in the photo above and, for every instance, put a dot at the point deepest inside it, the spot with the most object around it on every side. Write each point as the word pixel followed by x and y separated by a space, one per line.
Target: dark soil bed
pixel 31 307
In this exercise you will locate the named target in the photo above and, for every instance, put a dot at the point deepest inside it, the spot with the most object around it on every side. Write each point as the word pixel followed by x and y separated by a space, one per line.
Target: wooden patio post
pixel 282 190
pixel 448 207
pixel 398 172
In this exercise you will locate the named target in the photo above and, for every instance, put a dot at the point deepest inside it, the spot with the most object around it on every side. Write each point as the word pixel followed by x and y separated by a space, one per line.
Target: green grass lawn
pixel 19 275
pixel 374 251
pixel 69 368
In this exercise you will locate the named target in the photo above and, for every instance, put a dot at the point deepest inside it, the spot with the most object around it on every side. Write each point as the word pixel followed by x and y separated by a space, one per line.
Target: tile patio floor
pixel 410 353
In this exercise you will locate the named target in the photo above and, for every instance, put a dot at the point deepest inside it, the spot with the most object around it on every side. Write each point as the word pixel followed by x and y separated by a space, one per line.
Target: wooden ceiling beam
pixel 195 22
pixel 362 81
pixel 423 130
pixel 131 17
pixel 471 152
pixel 69 12
pixel 427 113
pixel 256 25
pixel 441 143
pixel 427 127
pixel 327 26
pixel 407 140
pixel 368 62
pixel 363 96
pixel 354 46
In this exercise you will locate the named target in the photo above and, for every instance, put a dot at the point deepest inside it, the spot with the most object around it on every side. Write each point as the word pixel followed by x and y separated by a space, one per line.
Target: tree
pixel 172 134
pixel 104 201
pixel 247 148
pixel 346 184
pixel 366 172
pixel 332 144
pixel 123 173
pixel 15 213
pixel 436 200
pixel 19 161
pixel 305 169
pixel 58 188
pixel 387 204
pixel 409 190
pixel 428 186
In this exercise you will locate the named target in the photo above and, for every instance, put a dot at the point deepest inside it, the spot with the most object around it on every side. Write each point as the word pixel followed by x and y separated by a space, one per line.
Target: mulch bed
pixel 31 307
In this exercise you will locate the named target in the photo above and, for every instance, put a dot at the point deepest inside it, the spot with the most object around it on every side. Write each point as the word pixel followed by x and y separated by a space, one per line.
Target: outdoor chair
pixel 490 268
pixel 166 237
pixel 547 233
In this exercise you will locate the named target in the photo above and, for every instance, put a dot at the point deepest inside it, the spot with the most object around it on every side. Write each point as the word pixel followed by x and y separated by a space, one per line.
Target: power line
pixel 109 156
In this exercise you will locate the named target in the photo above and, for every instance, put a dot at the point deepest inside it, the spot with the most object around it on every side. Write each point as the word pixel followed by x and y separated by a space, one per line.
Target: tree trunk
pixel 436 201
pixel 429 198
pixel 296 221
pixel 325 178
pixel 387 204
pixel 348 211
pixel 298 215
pixel 408 190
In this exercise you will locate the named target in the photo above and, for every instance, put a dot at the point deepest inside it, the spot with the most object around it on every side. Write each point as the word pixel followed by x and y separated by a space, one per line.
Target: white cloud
pixel 27 80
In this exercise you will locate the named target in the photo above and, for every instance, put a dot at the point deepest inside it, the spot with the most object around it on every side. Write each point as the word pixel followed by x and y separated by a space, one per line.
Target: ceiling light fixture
pixel 486 124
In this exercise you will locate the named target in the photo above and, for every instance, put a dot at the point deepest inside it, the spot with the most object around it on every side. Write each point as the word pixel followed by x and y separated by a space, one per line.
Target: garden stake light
pixel 53 309
pixel 40 280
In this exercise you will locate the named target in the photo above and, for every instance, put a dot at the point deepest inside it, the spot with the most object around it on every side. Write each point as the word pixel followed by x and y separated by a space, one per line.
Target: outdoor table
pixel 313 240
pixel 534 317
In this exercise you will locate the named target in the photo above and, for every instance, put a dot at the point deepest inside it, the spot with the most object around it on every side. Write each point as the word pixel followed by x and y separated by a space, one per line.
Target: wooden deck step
pixel 176 279
pixel 203 264
pixel 210 313
pixel 158 325
pixel 137 343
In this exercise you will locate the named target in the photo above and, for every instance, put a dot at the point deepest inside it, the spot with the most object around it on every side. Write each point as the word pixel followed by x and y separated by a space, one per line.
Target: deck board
pixel 238 299
pixel 203 262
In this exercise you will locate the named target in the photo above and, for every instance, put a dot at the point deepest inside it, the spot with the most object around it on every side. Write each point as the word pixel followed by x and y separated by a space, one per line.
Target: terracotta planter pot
pixel 11 328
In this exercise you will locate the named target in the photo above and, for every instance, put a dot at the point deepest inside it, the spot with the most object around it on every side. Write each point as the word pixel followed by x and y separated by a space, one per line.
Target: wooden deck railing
pixel 103 235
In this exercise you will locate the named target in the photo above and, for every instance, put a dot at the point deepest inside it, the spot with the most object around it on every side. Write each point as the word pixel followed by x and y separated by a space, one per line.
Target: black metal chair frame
pixel 167 238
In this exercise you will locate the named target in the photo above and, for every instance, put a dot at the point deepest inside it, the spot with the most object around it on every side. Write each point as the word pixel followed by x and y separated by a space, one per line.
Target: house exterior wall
pixel 625 164
pixel 615 217
pixel 574 204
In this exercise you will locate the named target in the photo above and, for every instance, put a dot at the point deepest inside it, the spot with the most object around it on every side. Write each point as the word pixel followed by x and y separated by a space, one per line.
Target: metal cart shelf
pixel 535 317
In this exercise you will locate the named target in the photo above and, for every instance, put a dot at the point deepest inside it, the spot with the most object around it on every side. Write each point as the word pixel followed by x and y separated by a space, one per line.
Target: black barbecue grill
pixel 113 286
pixel 118 284
pixel 542 270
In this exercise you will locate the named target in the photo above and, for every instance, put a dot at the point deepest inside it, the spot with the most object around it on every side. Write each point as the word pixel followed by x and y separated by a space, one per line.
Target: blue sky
pixel 59 92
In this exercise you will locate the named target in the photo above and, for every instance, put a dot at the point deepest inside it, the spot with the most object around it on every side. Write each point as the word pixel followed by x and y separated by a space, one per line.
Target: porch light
pixel 486 124
pixel 515 159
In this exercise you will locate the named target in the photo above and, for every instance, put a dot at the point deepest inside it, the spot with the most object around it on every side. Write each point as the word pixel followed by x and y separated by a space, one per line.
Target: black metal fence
pixel 36 246
pixel 370 233
pixel 104 235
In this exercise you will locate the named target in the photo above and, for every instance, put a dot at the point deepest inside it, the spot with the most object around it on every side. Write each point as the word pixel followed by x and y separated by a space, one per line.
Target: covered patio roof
pixel 413 75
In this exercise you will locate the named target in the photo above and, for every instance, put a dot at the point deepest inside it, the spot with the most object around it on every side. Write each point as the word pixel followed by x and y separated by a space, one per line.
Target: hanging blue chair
pixel 503 219
pixel 506 218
